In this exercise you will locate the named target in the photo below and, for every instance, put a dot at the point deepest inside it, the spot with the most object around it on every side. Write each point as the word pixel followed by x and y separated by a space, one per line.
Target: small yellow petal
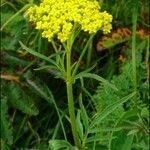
pixel 57 17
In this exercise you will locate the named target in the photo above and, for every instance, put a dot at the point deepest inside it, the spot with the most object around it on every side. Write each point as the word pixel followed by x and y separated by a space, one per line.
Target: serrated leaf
pixel 5 130
pixel 19 99
pixel 109 109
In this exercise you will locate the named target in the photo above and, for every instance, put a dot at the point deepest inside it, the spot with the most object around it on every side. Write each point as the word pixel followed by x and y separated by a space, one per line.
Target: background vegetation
pixel 34 111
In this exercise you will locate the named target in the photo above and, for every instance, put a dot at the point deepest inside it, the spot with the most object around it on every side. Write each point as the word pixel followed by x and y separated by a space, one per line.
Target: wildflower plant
pixel 58 17
pixel 65 19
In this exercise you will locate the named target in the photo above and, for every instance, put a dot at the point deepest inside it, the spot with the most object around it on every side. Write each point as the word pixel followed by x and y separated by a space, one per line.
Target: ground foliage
pixel 34 112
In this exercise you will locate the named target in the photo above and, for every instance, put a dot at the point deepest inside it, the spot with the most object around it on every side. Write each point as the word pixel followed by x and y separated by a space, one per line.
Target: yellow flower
pixel 57 17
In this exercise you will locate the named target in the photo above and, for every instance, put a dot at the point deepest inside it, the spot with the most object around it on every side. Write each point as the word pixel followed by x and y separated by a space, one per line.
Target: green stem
pixel 89 54
pixel 134 19
pixel 147 58
pixel 71 101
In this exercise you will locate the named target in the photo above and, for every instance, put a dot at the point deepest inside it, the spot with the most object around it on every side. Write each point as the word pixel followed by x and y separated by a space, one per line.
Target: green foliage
pixel 13 96
pixel 111 113
pixel 59 144
pixel 110 108
pixel 6 131
pixel 19 99
pixel 11 34
pixel 104 96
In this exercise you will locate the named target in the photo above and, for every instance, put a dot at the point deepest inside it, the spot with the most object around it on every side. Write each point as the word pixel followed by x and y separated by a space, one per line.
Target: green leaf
pixel 9 44
pixel 96 138
pixel 84 115
pixel 19 99
pixel 96 77
pixel 4 145
pixel 107 129
pixel 40 89
pixel 5 130
pixel 13 60
pixel 86 70
pixel 123 141
pixel 134 131
pixel 91 146
pixel 145 112
pixel 15 15
pixel 37 54
pixel 79 125
pixel 43 91
pixel 109 109
pixel 45 67
pixel 58 144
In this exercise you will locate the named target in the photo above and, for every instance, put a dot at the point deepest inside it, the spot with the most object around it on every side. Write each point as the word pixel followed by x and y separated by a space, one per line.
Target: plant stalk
pixel 134 74
pixel 89 54
pixel 71 101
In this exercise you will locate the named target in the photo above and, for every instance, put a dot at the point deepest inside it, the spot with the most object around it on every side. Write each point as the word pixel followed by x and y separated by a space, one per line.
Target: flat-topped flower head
pixel 57 17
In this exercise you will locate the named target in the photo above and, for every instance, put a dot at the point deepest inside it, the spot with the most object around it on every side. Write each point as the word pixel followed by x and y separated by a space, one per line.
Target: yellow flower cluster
pixel 57 17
